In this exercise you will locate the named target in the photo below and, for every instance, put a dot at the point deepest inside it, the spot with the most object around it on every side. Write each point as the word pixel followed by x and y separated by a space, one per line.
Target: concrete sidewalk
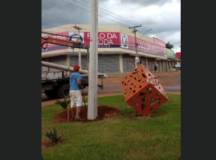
pixel 157 74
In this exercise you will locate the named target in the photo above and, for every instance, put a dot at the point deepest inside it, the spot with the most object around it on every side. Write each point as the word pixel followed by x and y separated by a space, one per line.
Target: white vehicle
pixel 177 66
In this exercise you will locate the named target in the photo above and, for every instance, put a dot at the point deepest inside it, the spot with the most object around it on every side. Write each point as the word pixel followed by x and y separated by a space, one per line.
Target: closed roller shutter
pixel 143 61
pixel 173 64
pixel 165 66
pixel 84 64
pixel 128 63
pixel 74 61
pixel 43 68
pixel 108 64
pixel 151 64
pixel 159 66
pixel 61 60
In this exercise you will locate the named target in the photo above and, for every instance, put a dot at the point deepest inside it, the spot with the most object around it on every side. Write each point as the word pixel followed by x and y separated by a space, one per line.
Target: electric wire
pixel 52 18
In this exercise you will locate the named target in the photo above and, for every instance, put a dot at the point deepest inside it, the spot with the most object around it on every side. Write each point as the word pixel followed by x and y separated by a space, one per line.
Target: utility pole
pixel 79 59
pixel 136 58
pixel 93 59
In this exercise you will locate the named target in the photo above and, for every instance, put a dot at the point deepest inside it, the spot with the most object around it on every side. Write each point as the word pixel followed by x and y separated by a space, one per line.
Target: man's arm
pixel 79 83
pixel 69 81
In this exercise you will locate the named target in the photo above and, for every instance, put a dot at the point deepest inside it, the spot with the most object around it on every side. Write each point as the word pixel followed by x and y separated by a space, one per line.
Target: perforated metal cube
pixel 142 91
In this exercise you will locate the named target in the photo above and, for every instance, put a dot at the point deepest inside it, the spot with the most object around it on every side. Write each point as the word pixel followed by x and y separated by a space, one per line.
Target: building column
pixel 146 60
pixel 167 67
pixel 163 66
pixel 121 63
pixel 160 69
pixel 68 64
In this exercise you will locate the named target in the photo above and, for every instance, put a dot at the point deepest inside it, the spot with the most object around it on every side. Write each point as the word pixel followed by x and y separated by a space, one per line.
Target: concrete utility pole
pixel 93 56
pixel 62 67
pixel 134 31
pixel 79 59
pixel 96 46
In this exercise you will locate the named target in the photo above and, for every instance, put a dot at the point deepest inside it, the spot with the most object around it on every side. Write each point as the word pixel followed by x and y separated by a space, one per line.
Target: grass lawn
pixel 119 137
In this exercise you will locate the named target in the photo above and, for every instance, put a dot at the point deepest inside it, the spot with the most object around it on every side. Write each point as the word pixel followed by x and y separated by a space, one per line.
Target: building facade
pixel 116 49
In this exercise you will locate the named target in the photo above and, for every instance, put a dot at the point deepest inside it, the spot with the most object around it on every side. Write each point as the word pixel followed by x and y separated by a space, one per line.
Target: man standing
pixel 75 94
pixel 155 68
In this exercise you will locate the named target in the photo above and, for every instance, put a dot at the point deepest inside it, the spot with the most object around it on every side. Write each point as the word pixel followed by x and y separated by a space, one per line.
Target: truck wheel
pixel 63 91
pixel 51 93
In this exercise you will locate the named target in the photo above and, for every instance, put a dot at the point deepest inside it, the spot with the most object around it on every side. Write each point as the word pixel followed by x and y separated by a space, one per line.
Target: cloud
pixel 162 16
pixel 140 2
pixel 147 2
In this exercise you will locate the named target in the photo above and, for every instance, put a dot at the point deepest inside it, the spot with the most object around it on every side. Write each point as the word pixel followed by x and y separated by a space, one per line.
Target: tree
pixel 169 46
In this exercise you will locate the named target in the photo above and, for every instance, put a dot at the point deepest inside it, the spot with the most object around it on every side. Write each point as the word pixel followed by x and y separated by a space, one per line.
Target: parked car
pixel 177 67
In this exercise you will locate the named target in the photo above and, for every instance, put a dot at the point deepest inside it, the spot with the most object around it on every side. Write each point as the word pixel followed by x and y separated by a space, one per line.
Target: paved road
pixel 175 83
pixel 171 84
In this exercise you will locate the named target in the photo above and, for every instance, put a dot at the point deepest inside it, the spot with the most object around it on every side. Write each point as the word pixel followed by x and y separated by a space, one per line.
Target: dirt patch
pixel 50 143
pixel 103 111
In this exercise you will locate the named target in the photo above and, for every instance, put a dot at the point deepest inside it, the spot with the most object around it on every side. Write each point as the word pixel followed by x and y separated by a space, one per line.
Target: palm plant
pixel 64 105
pixel 53 135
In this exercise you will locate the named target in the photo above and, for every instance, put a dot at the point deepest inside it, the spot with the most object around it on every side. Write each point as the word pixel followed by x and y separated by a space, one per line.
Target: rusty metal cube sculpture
pixel 142 91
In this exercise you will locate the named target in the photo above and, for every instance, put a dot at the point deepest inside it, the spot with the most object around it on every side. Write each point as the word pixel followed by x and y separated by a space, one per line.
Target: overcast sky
pixel 159 18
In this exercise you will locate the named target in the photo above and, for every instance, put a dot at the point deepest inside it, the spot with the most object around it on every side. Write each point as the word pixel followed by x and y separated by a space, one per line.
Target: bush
pixel 63 104
pixel 53 136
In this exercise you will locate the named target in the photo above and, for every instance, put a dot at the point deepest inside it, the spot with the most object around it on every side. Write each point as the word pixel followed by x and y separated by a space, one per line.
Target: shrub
pixel 53 136
pixel 63 104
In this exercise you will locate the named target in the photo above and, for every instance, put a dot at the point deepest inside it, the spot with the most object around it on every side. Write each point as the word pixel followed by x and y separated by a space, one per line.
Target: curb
pixel 47 103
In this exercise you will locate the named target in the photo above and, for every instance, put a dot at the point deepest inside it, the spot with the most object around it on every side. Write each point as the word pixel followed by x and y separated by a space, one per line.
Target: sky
pixel 159 18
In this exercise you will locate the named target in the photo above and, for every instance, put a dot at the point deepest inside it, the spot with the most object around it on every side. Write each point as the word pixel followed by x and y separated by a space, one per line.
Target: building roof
pixel 173 59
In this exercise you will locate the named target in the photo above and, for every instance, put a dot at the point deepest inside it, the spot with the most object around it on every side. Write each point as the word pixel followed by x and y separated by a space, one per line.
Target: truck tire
pixel 63 91
pixel 51 93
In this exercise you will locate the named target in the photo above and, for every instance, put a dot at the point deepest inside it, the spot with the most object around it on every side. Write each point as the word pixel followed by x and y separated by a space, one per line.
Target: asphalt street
pixel 171 84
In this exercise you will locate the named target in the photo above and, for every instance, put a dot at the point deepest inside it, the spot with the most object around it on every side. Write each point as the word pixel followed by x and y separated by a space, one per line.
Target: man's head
pixel 76 68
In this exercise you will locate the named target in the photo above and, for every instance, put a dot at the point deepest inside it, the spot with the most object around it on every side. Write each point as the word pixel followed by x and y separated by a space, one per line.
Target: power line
pixel 121 19
pixel 103 12
pixel 81 8
pixel 99 15
pixel 84 38
pixel 112 13
pixel 90 11
pixel 144 33
pixel 54 19
pixel 60 23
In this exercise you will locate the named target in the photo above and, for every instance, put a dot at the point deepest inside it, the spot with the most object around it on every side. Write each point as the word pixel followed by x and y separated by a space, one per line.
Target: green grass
pixel 119 137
